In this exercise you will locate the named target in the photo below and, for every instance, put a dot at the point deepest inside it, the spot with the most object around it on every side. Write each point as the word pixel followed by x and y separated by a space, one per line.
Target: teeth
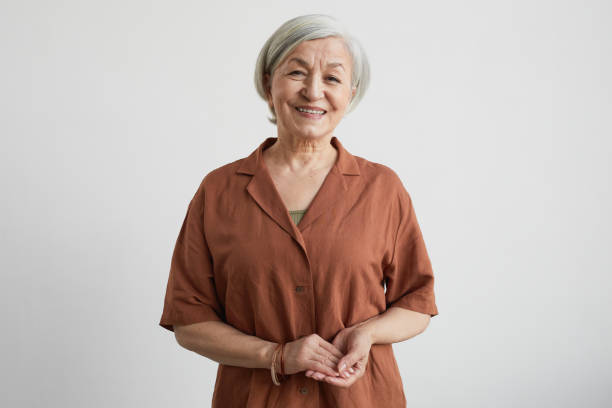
pixel 311 111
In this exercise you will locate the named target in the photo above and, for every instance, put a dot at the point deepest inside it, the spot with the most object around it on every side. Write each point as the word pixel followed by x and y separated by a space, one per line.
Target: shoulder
pixel 378 174
pixel 220 177
pixel 216 180
pixel 383 181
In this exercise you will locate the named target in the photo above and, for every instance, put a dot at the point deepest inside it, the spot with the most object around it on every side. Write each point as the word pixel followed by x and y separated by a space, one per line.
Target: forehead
pixel 330 49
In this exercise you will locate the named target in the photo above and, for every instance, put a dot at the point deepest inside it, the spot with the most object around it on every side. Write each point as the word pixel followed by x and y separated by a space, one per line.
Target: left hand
pixel 355 342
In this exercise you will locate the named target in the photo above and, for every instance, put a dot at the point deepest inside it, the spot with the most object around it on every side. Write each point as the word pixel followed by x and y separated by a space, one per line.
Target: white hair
pixel 304 28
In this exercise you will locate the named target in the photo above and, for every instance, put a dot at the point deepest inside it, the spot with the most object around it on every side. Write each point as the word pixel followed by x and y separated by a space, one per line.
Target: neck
pixel 302 154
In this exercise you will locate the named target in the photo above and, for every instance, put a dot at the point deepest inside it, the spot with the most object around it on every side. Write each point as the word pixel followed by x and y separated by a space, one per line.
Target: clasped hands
pixel 340 363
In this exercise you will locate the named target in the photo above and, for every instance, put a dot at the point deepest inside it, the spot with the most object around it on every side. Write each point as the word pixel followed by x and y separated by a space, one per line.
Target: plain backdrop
pixel 496 115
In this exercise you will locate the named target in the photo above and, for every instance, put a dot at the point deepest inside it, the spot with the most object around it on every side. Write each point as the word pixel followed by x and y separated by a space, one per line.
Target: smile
pixel 314 112
pixel 310 113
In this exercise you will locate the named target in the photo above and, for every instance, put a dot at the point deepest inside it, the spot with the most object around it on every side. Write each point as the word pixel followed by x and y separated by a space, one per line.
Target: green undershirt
pixel 297 215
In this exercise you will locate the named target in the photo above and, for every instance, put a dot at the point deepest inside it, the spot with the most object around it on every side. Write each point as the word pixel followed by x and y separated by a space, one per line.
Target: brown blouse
pixel 358 250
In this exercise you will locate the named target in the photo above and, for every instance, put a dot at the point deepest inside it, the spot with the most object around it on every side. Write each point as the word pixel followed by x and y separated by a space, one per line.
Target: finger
pixel 353 372
pixel 327 359
pixel 330 348
pixel 348 361
pixel 316 375
pixel 341 382
pixel 358 369
pixel 323 368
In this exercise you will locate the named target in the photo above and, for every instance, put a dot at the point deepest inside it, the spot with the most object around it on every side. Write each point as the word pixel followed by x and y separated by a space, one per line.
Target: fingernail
pixel 351 370
pixel 343 366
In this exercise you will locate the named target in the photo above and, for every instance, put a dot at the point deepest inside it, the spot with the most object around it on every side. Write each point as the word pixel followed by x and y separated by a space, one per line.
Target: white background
pixel 496 115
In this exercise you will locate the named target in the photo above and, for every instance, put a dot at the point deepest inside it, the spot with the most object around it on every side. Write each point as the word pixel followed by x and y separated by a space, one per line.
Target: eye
pixel 334 78
pixel 296 72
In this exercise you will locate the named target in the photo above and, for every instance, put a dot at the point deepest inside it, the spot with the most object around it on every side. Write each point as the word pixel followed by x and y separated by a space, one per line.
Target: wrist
pixel 267 355
pixel 367 328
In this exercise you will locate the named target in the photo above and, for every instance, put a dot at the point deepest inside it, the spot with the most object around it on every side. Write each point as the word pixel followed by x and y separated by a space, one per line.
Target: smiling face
pixel 316 76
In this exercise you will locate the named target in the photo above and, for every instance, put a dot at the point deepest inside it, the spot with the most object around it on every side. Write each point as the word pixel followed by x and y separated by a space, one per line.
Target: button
pixel 304 390
pixel 299 288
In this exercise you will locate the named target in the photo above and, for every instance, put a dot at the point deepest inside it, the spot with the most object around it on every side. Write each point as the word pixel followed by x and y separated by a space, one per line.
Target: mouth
pixel 311 113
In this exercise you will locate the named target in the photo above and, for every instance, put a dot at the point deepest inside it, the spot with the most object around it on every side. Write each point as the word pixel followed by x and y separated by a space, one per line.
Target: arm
pixel 396 324
pixel 225 344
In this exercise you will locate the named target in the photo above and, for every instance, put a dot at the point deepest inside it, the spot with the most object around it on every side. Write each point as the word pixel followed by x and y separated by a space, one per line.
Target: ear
pixel 354 91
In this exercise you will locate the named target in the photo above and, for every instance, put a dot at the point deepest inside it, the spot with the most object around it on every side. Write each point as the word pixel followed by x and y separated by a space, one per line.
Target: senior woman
pixel 298 266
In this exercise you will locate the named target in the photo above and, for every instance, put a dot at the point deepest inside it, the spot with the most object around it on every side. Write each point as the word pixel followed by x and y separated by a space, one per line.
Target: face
pixel 315 76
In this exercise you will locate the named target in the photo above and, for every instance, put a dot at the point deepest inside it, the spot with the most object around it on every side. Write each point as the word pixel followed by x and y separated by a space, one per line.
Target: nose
pixel 313 89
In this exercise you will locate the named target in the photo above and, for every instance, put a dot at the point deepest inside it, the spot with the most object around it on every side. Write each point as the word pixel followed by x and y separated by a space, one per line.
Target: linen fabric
pixel 240 259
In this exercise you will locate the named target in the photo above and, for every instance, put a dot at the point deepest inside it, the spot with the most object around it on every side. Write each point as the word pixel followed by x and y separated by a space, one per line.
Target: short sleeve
pixel 191 295
pixel 409 276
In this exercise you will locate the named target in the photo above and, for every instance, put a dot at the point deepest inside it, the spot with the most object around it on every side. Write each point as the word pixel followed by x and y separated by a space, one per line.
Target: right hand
pixel 311 353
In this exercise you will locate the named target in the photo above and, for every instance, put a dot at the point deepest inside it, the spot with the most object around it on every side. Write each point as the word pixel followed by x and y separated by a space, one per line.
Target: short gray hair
pixel 304 28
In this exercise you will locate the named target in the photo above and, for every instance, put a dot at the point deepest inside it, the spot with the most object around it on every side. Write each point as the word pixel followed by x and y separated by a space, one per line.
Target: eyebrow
pixel 305 64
